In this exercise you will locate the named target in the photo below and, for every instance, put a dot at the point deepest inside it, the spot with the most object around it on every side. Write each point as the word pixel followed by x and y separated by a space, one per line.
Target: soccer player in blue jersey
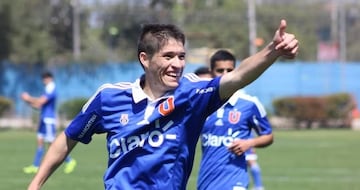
pixel 46 131
pixel 153 124
pixel 226 140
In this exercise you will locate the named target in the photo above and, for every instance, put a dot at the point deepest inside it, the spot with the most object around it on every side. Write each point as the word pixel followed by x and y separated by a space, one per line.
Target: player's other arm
pixel 56 154
pixel 262 141
pixel 283 44
pixel 35 102
pixel 240 146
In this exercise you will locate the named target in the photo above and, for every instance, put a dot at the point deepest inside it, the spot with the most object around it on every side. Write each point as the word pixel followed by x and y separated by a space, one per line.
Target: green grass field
pixel 298 160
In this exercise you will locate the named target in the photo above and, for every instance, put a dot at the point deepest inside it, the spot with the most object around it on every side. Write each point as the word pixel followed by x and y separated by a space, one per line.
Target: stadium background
pixel 299 159
pixel 82 80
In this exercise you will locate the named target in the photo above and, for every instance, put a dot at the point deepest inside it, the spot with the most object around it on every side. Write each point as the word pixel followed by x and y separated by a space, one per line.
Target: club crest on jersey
pixel 166 107
pixel 234 116
pixel 124 119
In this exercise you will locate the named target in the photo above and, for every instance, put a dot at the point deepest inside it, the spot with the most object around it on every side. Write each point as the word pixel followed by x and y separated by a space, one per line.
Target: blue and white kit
pixel 47 125
pixel 151 143
pixel 221 169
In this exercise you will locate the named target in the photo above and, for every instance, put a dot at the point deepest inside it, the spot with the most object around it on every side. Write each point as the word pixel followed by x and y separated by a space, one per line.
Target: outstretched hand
pixel 25 96
pixel 285 43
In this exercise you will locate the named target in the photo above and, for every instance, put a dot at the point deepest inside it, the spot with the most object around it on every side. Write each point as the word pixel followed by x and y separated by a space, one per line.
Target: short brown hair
pixel 154 36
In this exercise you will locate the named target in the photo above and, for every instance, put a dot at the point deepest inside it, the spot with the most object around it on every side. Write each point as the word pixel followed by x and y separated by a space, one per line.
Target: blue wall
pixel 82 80
pixel 306 79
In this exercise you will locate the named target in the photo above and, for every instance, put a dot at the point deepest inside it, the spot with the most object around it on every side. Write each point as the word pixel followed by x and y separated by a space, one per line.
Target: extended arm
pixel 35 102
pixel 54 157
pixel 283 44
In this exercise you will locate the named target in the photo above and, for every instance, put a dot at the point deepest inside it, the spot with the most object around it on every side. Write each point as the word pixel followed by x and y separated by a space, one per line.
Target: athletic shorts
pixel 47 129
pixel 250 154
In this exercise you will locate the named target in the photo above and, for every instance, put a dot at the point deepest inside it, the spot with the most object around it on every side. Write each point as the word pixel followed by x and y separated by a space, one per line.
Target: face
pixel 164 69
pixel 222 67
pixel 46 80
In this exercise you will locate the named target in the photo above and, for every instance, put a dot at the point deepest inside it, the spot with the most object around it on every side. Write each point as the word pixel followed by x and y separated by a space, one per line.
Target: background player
pixel 153 124
pixel 227 135
pixel 203 72
pixel 46 131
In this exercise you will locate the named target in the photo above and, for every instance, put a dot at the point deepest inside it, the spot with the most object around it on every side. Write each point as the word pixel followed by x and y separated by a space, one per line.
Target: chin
pixel 172 85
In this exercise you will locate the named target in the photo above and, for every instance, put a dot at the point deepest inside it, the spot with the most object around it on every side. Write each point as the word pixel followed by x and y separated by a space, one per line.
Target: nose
pixel 178 62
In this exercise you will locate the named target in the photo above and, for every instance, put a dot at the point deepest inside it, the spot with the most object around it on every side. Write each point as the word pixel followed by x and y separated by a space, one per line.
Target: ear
pixel 144 59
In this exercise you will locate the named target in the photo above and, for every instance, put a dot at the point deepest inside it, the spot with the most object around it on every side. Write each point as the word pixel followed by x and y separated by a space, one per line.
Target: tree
pixel 5 31
pixel 122 24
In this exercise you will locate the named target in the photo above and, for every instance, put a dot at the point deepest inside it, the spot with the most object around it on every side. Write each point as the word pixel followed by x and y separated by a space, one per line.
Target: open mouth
pixel 173 75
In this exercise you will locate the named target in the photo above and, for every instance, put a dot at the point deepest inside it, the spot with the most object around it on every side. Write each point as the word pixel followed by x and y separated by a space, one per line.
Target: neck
pixel 152 90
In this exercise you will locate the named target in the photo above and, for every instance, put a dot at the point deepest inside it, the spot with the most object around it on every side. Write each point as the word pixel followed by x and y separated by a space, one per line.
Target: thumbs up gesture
pixel 285 43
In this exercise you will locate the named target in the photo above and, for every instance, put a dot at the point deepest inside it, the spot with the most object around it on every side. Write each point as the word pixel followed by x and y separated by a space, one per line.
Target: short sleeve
pixel 87 122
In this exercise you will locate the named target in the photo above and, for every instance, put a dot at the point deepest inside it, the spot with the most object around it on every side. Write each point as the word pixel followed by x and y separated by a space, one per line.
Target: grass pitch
pixel 298 160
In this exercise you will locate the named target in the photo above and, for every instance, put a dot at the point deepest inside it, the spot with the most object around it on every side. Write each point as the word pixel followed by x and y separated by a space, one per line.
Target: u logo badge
pixel 234 117
pixel 166 107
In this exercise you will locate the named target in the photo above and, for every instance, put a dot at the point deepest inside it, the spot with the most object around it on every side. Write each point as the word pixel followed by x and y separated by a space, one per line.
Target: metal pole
pixel 252 26
pixel 334 21
pixel 76 30
pixel 342 32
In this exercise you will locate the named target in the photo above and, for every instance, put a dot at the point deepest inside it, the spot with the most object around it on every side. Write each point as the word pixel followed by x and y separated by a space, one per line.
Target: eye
pixel 182 57
pixel 167 57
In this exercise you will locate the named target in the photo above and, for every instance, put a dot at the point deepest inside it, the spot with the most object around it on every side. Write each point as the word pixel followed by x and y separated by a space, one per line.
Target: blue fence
pixel 82 80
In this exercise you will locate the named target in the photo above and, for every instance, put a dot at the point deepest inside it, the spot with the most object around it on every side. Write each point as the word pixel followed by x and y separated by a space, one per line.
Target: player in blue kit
pixel 46 131
pixel 152 124
pixel 226 139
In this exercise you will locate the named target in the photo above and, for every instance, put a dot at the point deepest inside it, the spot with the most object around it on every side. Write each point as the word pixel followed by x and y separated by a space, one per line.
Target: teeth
pixel 173 75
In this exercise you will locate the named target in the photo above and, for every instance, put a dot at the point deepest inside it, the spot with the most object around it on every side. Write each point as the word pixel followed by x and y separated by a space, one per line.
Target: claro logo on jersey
pixel 153 138
pixel 209 139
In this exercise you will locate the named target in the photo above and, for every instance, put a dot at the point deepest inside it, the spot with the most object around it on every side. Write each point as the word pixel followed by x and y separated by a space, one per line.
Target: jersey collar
pixel 139 95
pixel 137 92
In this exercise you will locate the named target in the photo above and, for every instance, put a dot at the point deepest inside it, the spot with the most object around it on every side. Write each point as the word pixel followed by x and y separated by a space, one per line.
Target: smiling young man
pixel 152 124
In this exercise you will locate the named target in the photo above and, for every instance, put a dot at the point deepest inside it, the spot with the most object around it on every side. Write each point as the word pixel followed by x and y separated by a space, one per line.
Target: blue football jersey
pixel 48 110
pixel 150 143
pixel 220 168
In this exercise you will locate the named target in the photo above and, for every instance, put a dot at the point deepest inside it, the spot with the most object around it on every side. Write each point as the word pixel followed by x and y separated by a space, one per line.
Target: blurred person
pixel 153 124
pixel 46 131
pixel 227 140
pixel 203 72
pixel 250 154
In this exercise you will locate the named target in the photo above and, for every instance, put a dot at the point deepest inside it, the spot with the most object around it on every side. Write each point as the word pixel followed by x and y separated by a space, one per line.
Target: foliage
pixel 5 31
pixel 311 109
pixel 234 37
pixel 308 34
pixel 5 105
pixel 38 30
pixel 121 25
pixel 29 34
pixel 69 109
pixel 42 31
